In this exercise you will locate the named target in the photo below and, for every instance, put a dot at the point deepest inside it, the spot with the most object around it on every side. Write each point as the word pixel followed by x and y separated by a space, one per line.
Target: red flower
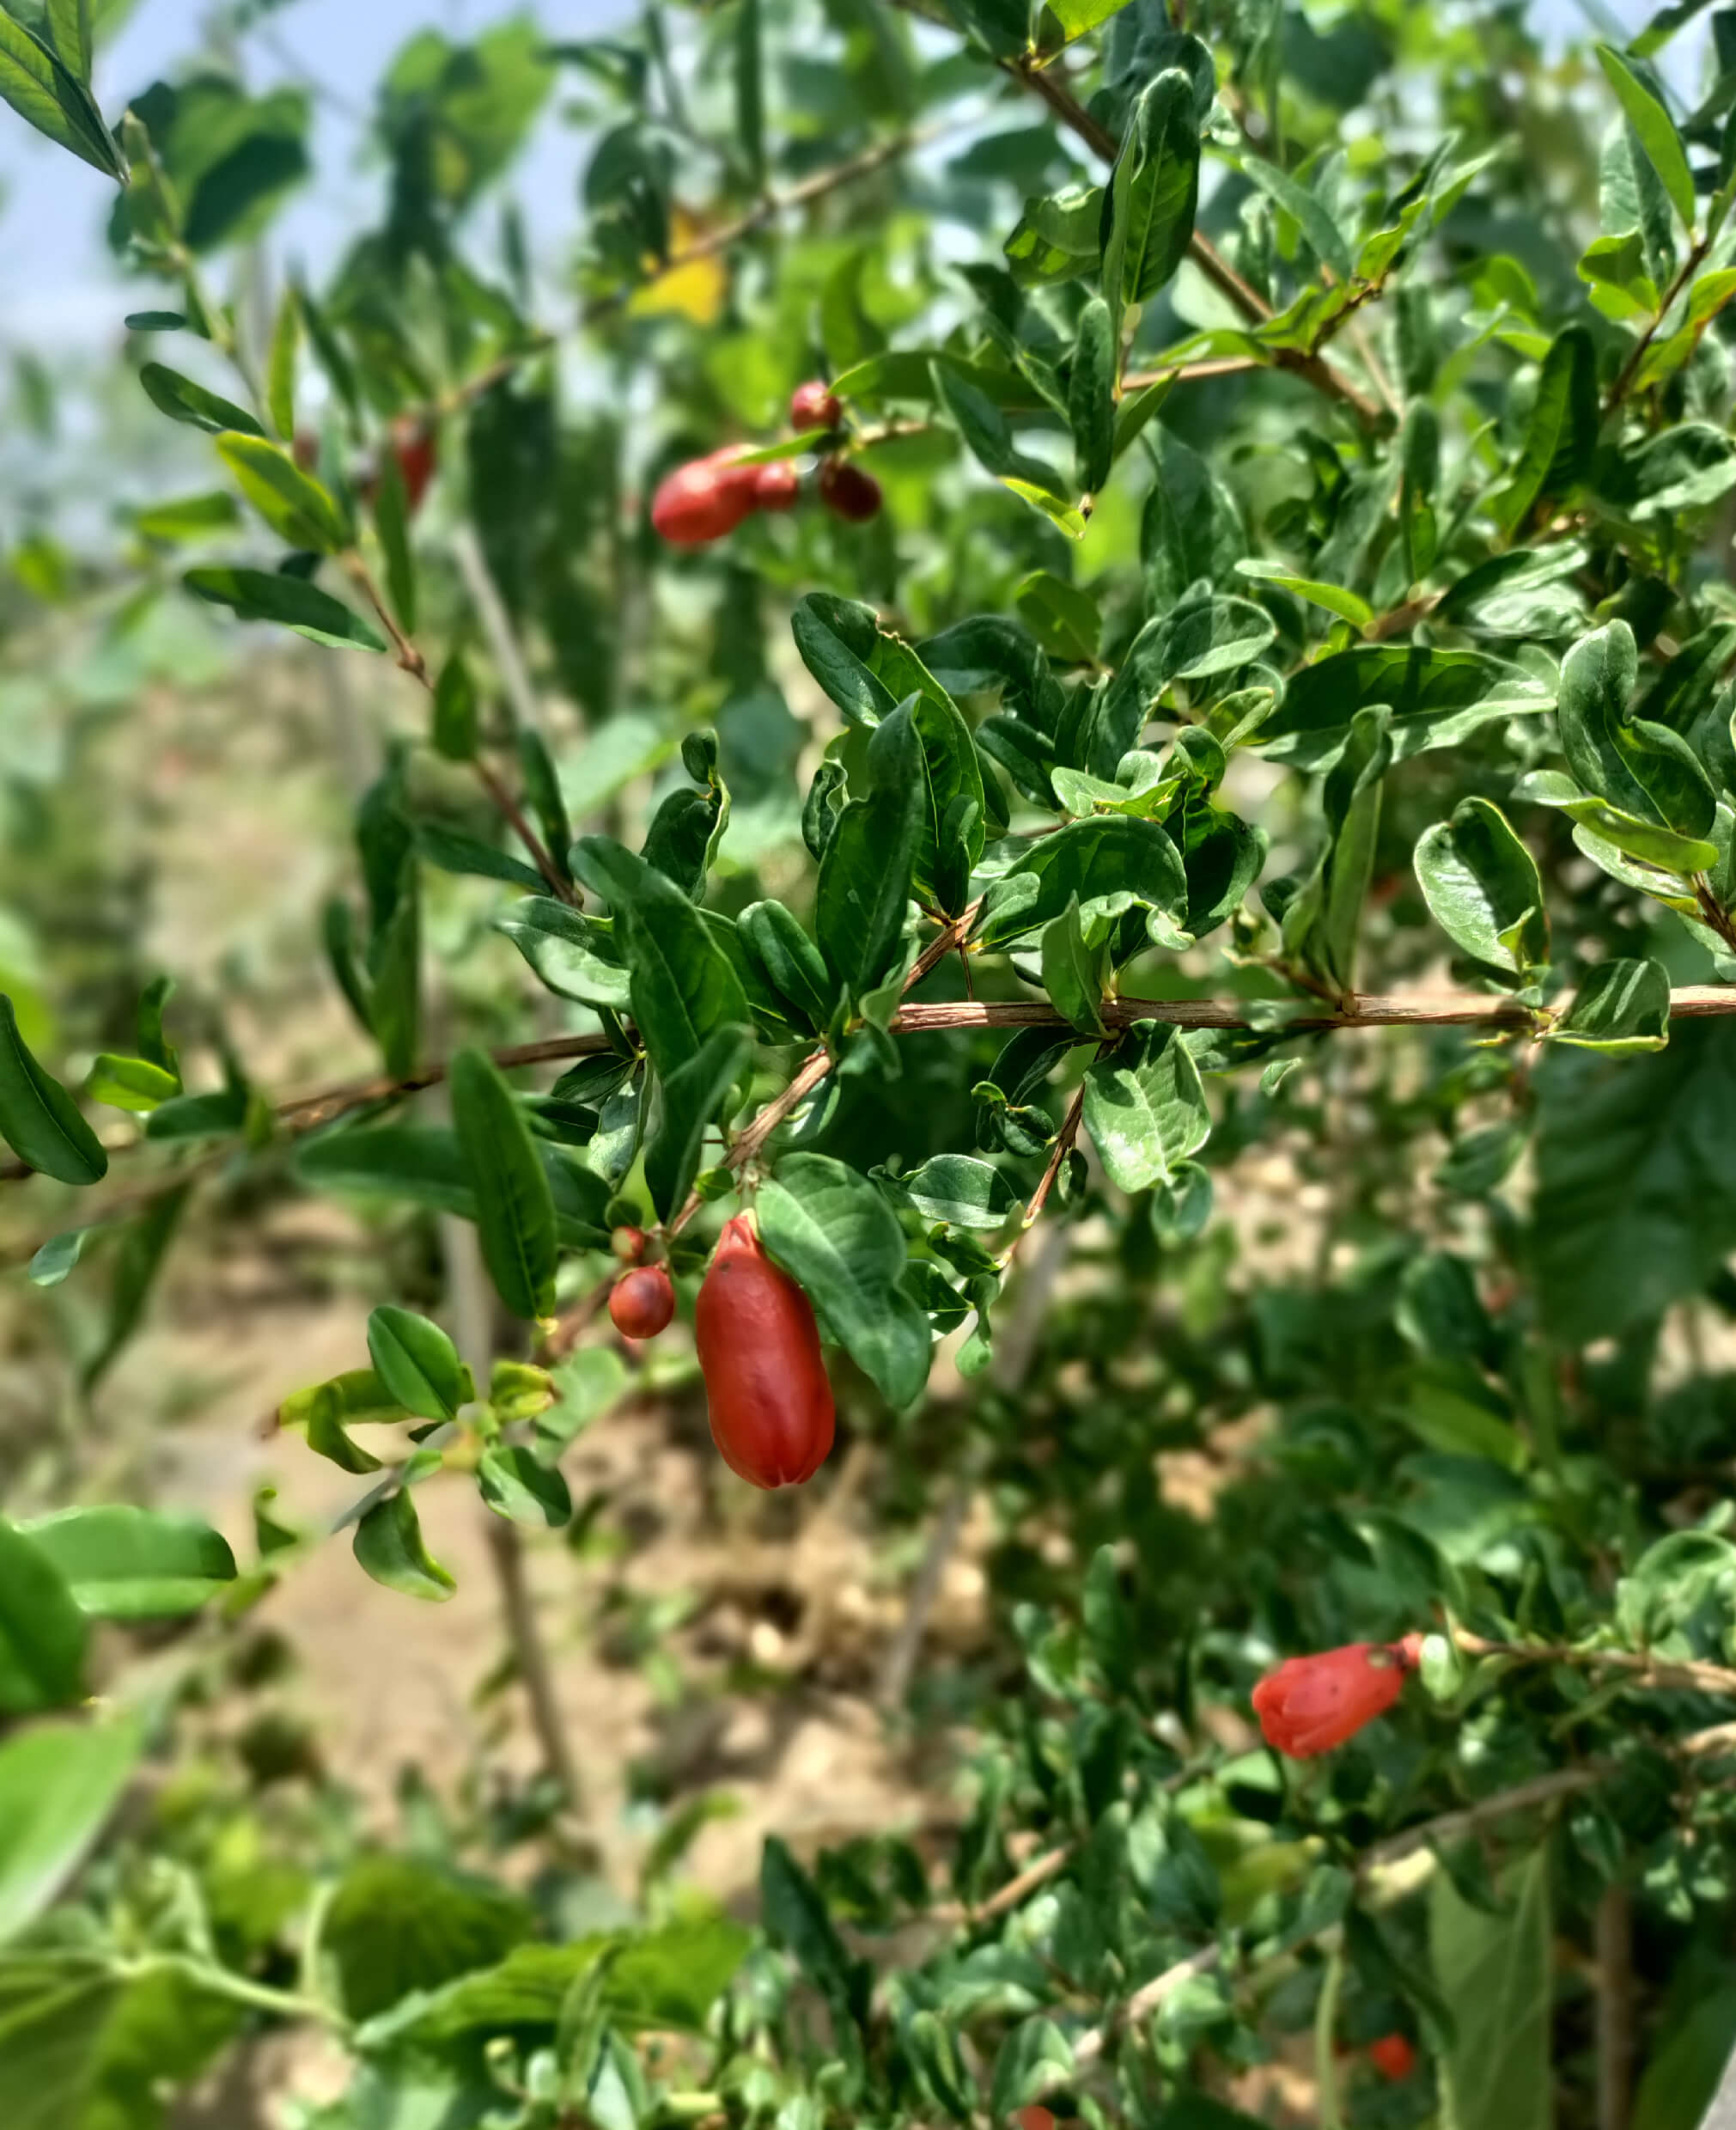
pixel 1311 1704
pixel 778 486
pixel 706 498
pixel 1394 2056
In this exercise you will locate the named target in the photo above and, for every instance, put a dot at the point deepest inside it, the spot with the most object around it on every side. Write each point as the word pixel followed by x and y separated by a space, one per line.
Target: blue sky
pixel 57 286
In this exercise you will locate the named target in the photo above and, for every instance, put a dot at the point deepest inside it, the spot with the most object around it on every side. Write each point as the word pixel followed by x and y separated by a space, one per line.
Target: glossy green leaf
pixel 792 962
pixel 1153 192
pixel 292 502
pixel 865 878
pixel 457 726
pixel 1075 971
pixel 1322 925
pixel 1145 1108
pixel 1059 238
pixel 1348 606
pixel 572 954
pixel 515 1204
pixel 1091 396
pixel 1495 1974
pixel 1481 887
pixel 266 595
pixel 51 96
pixel 1110 863
pixel 38 1120
pixel 417 1364
pixel 1563 431
pixel 390 1547
pixel 832 1231
pixel 1324 237
pixel 961 1191
pixel 124 1563
pixel 1437 697
pixel 836 638
pixel 133 1083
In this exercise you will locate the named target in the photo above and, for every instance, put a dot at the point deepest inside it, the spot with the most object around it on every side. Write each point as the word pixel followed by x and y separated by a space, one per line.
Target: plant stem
pixel 1636 355
pixel 1686 1676
pixel 238 1988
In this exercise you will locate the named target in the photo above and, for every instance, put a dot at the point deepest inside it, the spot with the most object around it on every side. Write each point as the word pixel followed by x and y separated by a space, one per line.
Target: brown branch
pixel 1312 368
pixel 1630 369
pixel 1688 1676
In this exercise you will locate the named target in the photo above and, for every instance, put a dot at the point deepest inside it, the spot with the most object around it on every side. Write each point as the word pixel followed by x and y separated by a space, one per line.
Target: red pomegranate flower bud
pixel 765 1382
pixel 778 486
pixel 1311 1704
pixel 814 406
pixel 1393 2056
pixel 848 492
pixel 642 1303
pixel 414 447
pixel 704 499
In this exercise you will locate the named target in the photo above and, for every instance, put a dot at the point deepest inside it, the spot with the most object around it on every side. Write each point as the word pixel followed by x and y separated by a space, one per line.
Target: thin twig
pixel 1614 1944
pixel 1630 369
pixel 1687 1675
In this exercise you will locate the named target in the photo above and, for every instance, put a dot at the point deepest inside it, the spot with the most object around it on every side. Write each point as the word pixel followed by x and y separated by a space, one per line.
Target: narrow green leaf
pixel 265 596
pixel 691 1098
pixel 1152 194
pixel 292 502
pixel 1073 972
pixel 389 1545
pixel 133 1083
pixel 1091 396
pixel 1495 1973
pixel 457 730
pixel 794 966
pixel 392 522
pixel 182 400
pixel 1656 132
pixel 69 27
pixel 515 1486
pixel 574 955
pixel 1349 606
pixel 286 347
pixel 1563 431
pixel 836 639
pixel 515 1210
pixel 53 97
pixel 38 1120
pixel 865 876
pixel 1324 237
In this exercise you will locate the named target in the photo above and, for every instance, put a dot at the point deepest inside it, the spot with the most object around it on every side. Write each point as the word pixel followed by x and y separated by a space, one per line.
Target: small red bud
pixel 1394 2056
pixel 414 447
pixel 642 1303
pixel 628 1244
pixel 847 492
pixel 1311 1704
pixel 814 406
pixel 704 499
pixel 778 485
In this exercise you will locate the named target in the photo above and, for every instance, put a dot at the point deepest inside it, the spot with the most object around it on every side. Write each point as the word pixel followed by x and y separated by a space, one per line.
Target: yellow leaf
pixel 696 289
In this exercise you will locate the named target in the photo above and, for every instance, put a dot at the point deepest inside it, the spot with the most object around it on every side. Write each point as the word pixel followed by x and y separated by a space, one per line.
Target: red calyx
pixel 643 1301
pixel 628 1244
pixel 847 492
pixel 778 486
pixel 1394 2056
pixel 417 453
pixel 1035 2119
pixel 706 498
pixel 1311 1704
pixel 770 1402
pixel 814 406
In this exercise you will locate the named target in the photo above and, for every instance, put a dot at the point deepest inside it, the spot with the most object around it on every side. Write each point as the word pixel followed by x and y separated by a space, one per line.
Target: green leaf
pixel 131 1083
pixel 794 965
pixel 1153 192
pixel 423 1165
pixel 280 370
pixel 1437 699
pixel 144 1245
pixel 59 1783
pixel 834 1233
pixel 42 1631
pixel 963 1192
pixel 1074 972
pixel 1495 1974
pixel 836 637
pixel 682 986
pixel 1059 238
pixel 1205 638
pixel 1656 132
pixel 1072 18
pixel 53 97
pixel 1349 606
pixel 418 1365
pixel 1636 1205
pixel 38 1120
pixel 1040 494
pixel 397 1925
pixel 1563 432
pixel 457 726
pixel 454 852
pixel 1642 769
pixel 1191 530
pixel 292 502
pixel 574 955
pixel 1324 238
pixel 1107 864
pixel 1621 1007
pixel 327 1435
pixel 986 429
pixel 865 878
pixel 1034 2059
pixel 389 1545
pixel 515 1486
pixel 182 400
pixel 124 1563
pixel 1091 396
pixel 68 30
pixel 1062 617
pixel 1482 889
pixel 692 1097
pixel 265 596
pixel 795 1917
pixel 1145 1108
pixel 392 522
pixel 515 1204
pixel 59 1257
pixel 1685 2065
